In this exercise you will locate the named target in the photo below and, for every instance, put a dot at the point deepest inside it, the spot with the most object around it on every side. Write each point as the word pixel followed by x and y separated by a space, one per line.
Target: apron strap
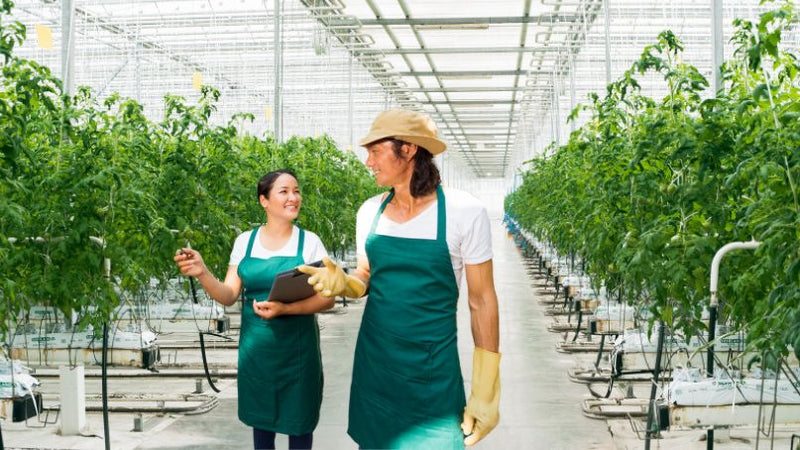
pixel 250 242
pixel 441 214
pixel 380 211
pixel 300 242
pixel 441 218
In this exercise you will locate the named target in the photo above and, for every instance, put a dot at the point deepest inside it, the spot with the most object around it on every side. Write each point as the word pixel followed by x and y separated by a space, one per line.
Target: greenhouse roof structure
pixel 499 78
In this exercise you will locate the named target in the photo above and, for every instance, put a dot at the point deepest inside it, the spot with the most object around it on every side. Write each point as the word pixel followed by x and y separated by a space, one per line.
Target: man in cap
pixel 413 244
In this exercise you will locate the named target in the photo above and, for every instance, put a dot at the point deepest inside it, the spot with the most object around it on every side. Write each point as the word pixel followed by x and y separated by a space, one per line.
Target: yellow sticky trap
pixel 268 113
pixel 44 36
pixel 197 81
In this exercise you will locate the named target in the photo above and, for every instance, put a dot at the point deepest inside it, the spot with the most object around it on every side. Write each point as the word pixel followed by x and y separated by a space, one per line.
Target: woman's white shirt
pixel 469 237
pixel 313 249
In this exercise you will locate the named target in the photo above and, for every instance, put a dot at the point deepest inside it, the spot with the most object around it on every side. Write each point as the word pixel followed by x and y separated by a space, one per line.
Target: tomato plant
pixel 84 181
pixel 648 189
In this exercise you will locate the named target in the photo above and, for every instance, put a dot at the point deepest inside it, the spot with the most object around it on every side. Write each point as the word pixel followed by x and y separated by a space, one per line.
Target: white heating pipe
pixel 750 245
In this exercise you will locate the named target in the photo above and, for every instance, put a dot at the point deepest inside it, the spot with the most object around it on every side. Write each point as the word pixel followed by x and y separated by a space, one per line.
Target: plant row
pixel 649 189
pixel 84 180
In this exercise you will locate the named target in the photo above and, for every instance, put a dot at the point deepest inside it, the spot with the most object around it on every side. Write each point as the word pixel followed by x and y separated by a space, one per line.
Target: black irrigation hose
pixel 712 325
pixel 205 363
pixel 202 340
pixel 104 382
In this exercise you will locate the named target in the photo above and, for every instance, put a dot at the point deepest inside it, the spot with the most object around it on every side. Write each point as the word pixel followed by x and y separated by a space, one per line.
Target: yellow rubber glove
pixel 483 407
pixel 330 280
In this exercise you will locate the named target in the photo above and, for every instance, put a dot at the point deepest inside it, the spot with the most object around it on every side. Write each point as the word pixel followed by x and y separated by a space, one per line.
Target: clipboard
pixel 292 285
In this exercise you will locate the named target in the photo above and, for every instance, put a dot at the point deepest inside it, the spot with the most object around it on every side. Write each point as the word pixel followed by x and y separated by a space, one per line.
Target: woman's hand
pixel 269 310
pixel 190 262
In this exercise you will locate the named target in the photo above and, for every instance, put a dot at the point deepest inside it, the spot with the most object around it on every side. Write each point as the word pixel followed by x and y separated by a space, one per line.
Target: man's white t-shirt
pixel 469 235
pixel 313 249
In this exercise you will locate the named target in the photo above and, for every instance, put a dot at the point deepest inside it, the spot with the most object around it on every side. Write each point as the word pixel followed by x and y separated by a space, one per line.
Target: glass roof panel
pixel 387 8
pixel 349 50
pixel 496 61
pixel 444 8
pixel 491 36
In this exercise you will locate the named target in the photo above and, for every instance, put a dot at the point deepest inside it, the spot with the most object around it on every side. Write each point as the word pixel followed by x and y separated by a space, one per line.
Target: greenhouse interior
pixel 618 195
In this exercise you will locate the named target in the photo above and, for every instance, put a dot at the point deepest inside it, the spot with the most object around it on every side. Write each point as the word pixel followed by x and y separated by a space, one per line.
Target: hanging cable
pixel 205 363
pixel 201 333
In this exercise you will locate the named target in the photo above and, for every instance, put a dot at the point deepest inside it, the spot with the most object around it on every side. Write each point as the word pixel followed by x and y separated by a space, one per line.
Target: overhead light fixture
pixel 485 136
pixel 465 77
pixel 453 26
pixel 468 105
pixel 480 123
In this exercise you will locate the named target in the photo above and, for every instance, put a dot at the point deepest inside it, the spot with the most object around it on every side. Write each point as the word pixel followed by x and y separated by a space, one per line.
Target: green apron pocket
pixel 409 360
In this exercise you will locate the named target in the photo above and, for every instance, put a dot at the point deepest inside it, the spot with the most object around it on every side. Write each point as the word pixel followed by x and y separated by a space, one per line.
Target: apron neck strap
pixel 252 239
pixel 441 216
pixel 380 211
pixel 300 242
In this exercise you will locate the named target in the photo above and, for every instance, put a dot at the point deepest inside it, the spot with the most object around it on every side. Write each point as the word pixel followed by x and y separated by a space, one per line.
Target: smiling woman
pixel 279 195
pixel 277 339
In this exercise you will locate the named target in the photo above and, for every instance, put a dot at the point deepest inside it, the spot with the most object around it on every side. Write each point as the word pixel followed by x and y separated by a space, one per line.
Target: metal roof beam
pixel 471 73
pixel 456 21
pixel 459 50
pixel 472 102
pixel 470 89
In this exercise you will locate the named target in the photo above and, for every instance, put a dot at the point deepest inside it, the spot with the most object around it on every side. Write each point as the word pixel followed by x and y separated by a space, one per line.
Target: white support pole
pixel 350 105
pixel 278 112
pixel 717 43
pixel 67 45
pixel 607 30
pixel 556 102
pixel 571 87
pixel 73 400
pixel 137 72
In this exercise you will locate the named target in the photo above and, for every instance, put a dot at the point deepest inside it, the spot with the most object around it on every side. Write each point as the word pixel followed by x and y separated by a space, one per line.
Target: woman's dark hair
pixel 267 181
pixel 426 175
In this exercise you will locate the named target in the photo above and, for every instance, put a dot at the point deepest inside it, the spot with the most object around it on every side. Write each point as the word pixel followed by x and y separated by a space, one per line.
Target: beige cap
pixel 405 125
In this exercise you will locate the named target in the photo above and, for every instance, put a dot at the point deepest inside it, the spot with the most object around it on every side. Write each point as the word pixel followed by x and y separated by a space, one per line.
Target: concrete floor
pixel 540 407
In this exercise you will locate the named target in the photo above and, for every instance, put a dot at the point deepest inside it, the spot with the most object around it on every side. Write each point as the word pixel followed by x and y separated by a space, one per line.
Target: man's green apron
pixel 280 368
pixel 407 390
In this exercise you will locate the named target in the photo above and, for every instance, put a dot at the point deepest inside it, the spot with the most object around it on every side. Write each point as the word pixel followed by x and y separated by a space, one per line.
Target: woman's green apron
pixel 280 367
pixel 407 390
